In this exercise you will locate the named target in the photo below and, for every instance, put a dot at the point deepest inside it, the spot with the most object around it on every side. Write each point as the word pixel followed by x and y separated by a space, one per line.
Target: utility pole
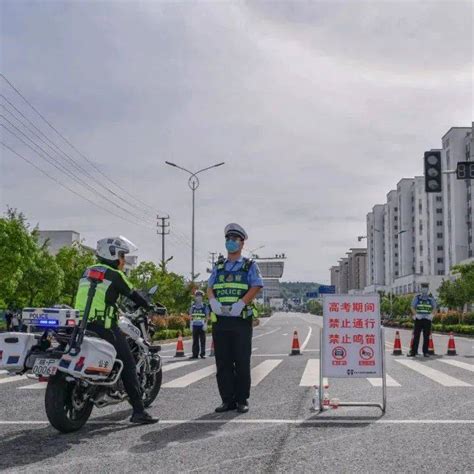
pixel 213 258
pixel 163 229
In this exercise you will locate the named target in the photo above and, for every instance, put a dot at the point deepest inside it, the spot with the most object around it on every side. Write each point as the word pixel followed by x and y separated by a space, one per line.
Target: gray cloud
pixel 317 108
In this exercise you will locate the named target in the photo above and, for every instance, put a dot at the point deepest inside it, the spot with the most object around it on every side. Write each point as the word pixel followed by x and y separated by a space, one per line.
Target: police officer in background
pixel 232 287
pixel 199 313
pixel 422 308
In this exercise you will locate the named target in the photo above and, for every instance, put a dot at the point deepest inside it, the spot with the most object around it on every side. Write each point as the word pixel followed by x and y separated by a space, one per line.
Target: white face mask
pixel 424 291
pixel 198 299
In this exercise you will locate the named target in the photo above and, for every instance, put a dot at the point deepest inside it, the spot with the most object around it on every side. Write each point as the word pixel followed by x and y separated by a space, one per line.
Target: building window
pixel 440 260
pixel 439 223
pixel 440 247
pixel 439 235
pixel 439 199
pixel 439 210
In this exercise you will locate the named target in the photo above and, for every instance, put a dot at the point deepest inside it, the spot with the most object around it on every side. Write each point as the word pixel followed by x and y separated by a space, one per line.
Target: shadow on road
pixel 33 445
pixel 180 433
pixel 348 421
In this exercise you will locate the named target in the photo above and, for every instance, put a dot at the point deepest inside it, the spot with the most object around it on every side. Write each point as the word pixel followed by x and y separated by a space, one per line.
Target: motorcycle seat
pixel 154 347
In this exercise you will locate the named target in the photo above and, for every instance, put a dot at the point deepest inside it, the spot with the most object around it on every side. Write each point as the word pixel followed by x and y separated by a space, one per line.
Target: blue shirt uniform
pixel 202 307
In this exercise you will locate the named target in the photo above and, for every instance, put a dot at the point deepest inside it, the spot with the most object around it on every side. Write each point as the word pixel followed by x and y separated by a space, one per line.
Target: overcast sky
pixel 317 108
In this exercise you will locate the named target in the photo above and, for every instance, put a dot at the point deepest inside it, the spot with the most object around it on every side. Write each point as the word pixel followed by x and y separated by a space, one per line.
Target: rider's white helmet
pixel 111 248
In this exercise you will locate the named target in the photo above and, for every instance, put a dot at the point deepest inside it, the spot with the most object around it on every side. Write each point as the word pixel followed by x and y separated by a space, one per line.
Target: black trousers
pixel 421 325
pixel 199 341
pixel 233 348
pixel 129 373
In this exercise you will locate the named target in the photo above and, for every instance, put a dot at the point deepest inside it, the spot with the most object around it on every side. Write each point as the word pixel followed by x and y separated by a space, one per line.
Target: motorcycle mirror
pixel 153 290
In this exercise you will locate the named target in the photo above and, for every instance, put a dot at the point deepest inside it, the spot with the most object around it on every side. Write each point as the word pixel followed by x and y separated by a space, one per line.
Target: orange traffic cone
pixel 431 350
pixel 295 346
pixel 451 345
pixel 397 345
pixel 179 347
pixel 211 351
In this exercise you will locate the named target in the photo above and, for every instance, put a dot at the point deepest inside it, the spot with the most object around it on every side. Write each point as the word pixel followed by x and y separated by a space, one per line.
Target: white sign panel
pixel 351 336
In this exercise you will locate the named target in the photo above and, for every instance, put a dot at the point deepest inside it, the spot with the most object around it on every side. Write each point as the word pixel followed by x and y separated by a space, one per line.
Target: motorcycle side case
pixel 94 361
pixel 14 348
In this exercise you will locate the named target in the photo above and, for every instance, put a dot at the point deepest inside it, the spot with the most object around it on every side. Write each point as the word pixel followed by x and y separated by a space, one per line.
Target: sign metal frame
pixel 383 405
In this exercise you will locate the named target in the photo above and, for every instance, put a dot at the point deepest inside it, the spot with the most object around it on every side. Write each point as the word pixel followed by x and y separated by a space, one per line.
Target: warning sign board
pixel 352 339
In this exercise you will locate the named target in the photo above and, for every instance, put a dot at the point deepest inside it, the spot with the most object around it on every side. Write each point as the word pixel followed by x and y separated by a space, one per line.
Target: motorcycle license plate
pixel 45 367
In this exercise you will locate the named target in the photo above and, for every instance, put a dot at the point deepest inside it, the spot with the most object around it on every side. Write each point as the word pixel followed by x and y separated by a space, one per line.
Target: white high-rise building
pixel 375 247
pixel 391 238
pixel 457 197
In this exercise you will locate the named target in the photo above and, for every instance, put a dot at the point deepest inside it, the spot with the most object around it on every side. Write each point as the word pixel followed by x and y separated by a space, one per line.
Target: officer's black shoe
pixel 426 355
pixel 143 418
pixel 411 354
pixel 225 407
pixel 243 407
pixel 193 357
pixel 203 356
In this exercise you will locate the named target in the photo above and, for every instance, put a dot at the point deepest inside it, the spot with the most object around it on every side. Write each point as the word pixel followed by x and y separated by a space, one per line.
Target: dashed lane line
pixel 191 377
pixel 305 343
pixel 377 382
pixel 457 363
pixel 433 374
pixel 263 369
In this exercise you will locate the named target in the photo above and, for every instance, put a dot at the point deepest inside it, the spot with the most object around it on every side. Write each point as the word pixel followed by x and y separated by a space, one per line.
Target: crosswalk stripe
pixel 34 386
pixel 263 369
pixel 311 374
pixel 433 374
pixel 377 382
pixel 177 365
pixel 188 379
pixel 14 378
pixel 458 363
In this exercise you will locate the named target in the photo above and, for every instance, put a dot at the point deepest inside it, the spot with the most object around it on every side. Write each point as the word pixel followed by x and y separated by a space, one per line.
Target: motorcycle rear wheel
pixel 64 410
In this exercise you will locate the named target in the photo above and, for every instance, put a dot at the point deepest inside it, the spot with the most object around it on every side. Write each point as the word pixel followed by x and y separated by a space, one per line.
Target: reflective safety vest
pixel 231 286
pixel 423 306
pixel 198 315
pixel 99 311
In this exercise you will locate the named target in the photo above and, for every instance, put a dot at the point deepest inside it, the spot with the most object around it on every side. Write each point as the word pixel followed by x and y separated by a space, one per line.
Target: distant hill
pixel 297 289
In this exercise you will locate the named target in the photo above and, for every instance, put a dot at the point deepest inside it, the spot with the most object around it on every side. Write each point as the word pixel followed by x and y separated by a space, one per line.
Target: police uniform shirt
pixel 417 299
pixel 254 275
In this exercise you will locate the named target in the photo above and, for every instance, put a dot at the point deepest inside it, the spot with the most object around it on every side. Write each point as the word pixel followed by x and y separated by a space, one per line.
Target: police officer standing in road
pixel 422 308
pixel 199 313
pixel 232 287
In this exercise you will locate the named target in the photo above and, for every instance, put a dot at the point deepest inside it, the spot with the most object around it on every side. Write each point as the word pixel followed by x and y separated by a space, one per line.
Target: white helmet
pixel 111 248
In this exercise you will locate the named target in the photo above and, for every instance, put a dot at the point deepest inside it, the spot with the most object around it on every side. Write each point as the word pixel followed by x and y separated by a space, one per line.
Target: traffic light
pixel 433 175
pixel 465 170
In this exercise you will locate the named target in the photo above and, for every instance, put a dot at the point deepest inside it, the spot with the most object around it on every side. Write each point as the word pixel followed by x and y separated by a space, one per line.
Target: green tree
pixel 18 251
pixel 73 261
pixel 173 292
pixel 42 284
pixel 314 307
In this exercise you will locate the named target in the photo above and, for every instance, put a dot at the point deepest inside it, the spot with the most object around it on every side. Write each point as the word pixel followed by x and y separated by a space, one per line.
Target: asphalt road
pixel 428 426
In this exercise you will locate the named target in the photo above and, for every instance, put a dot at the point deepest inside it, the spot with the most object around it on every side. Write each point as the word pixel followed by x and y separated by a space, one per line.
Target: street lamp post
pixel 193 183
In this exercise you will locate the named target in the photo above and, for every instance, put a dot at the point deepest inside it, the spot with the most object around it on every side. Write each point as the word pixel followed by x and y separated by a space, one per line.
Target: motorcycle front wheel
pixel 153 388
pixel 67 408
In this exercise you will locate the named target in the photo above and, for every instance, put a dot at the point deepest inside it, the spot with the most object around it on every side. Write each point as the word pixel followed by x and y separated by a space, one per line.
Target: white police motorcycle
pixel 81 370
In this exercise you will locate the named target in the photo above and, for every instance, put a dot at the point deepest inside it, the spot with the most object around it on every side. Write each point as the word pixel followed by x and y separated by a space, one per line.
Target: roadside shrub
pixel 176 322
pixel 160 322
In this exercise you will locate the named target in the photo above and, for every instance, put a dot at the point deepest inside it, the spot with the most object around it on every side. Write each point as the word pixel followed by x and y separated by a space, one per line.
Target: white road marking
pixel 311 374
pixel 13 378
pixel 286 334
pixel 433 374
pixel 458 363
pixel 269 355
pixel 35 386
pixel 262 370
pixel 305 343
pixel 267 333
pixel 188 379
pixel 3 372
pixel 177 365
pixel 250 421
pixel 377 382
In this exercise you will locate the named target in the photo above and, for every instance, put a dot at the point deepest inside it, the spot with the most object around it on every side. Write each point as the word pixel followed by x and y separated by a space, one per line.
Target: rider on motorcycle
pixel 103 314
